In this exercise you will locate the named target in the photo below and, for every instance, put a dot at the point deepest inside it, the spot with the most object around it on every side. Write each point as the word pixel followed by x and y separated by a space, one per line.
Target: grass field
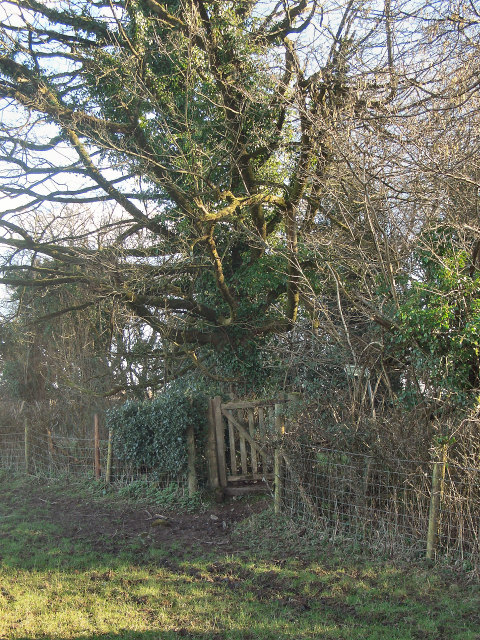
pixel 79 564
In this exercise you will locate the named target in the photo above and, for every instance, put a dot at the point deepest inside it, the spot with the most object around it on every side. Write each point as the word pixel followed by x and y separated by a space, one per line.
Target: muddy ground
pixel 107 527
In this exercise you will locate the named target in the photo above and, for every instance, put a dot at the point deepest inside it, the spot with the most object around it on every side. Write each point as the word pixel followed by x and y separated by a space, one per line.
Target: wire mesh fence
pixel 45 453
pixel 391 504
pixel 387 504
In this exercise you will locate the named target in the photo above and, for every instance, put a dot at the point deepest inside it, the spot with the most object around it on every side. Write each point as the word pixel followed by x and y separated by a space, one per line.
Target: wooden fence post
pixel 211 452
pixel 220 437
pixel 108 472
pixel 51 447
pixel 192 475
pixel 438 477
pixel 96 446
pixel 277 464
pixel 27 447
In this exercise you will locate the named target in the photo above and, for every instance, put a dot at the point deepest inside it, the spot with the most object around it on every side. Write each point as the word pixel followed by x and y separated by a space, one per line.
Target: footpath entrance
pixel 241 439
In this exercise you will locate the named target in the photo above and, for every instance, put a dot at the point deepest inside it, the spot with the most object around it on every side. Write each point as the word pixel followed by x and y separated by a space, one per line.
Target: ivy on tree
pixel 201 123
pixel 219 170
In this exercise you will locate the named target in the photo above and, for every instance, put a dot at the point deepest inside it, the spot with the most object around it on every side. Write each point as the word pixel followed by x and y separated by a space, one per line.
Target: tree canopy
pixel 218 171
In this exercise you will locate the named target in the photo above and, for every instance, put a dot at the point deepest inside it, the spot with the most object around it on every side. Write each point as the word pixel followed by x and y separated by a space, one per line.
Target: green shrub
pixel 152 434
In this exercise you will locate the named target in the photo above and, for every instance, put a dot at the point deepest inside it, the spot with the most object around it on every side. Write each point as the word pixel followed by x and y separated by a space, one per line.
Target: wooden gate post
pixel 211 452
pixel 220 438
pixel 280 432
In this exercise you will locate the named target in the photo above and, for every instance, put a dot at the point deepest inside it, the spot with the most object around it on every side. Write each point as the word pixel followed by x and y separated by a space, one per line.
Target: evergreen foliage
pixel 151 434
pixel 438 332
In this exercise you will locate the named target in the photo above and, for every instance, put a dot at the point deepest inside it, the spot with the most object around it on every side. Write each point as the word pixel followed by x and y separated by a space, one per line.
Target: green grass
pixel 54 586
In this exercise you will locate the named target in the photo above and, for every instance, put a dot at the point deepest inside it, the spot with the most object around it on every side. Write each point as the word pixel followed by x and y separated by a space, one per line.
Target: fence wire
pixel 52 454
pixel 386 504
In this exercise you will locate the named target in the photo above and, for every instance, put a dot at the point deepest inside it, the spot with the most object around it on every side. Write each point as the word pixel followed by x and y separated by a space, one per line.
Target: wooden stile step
pixel 260 487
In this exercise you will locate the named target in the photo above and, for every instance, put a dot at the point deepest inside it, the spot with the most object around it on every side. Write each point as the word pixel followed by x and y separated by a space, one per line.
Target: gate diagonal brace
pixel 244 433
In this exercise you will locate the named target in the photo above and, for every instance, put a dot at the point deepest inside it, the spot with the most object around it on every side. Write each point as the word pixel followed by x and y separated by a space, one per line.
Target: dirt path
pixel 105 526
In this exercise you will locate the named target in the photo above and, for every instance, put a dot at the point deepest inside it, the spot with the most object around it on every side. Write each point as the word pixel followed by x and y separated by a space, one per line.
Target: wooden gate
pixel 240 441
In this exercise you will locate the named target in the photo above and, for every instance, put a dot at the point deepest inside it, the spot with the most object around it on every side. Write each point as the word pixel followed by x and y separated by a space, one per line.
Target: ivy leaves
pixel 152 433
pixel 439 324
